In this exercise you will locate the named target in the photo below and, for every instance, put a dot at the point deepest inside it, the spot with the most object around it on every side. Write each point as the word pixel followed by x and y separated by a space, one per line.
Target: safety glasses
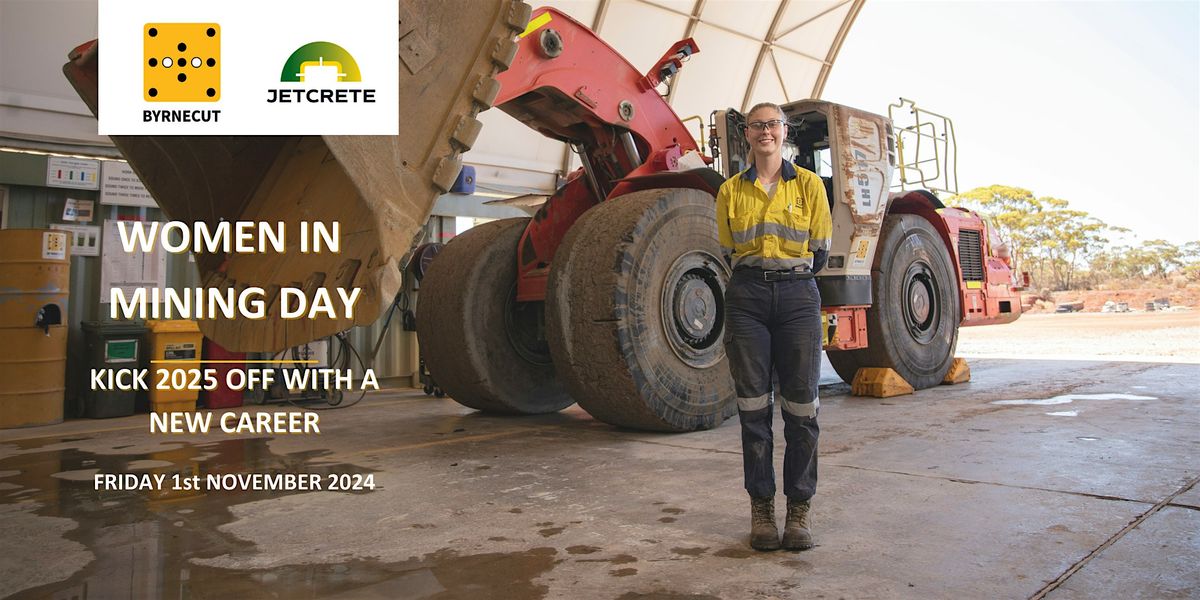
pixel 773 125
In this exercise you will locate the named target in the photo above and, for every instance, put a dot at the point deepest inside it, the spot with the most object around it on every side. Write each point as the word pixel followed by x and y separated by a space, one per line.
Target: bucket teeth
pixel 486 91
pixel 518 16
pixel 466 132
pixel 447 173
pixel 506 51
pixel 346 272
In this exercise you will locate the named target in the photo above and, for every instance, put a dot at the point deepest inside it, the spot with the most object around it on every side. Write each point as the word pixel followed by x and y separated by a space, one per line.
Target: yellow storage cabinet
pixel 179 342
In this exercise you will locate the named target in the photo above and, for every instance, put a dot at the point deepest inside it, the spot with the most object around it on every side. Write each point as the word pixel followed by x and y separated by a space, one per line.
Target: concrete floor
pixel 940 494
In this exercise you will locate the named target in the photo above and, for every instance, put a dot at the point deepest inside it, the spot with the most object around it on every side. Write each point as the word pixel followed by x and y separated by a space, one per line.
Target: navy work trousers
pixel 775 327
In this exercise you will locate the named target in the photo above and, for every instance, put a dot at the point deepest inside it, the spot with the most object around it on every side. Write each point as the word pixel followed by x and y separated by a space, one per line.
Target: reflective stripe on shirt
pixel 774 231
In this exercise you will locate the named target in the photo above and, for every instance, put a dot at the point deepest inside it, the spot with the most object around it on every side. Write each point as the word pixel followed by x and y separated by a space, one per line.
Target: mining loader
pixel 904 270
pixel 612 294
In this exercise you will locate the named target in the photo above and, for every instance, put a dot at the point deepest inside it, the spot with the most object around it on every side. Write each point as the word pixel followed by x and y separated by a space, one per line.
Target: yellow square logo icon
pixel 54 244
pixel 181 62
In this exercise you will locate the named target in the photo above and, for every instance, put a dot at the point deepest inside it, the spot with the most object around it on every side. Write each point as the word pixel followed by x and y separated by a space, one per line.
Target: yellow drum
pixel 179 343
pixel 34 280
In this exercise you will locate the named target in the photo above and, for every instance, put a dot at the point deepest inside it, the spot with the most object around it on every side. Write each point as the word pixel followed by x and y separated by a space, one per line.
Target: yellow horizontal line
pixel 236 362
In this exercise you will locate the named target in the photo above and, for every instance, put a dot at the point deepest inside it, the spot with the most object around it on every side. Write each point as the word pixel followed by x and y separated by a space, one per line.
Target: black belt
pixel 781 275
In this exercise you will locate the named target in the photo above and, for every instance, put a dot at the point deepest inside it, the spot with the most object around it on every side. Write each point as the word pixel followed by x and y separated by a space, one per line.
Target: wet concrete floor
pixel 1053 479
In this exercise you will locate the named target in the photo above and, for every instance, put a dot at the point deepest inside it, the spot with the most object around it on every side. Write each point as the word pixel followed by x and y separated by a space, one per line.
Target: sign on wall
pixel 75 173
pixel 120 185
pixel 78 210
pixel 84 239
pixel 128 270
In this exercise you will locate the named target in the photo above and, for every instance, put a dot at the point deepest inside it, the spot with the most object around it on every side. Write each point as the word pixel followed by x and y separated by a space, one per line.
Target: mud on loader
pixel 612 294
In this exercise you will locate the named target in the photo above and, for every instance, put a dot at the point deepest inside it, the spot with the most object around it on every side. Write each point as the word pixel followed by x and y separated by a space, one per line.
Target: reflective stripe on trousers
pixel 775 328
pixel 807 410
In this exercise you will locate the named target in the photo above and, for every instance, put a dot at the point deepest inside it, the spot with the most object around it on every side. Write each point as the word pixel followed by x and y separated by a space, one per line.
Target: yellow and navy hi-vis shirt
pixel 781 232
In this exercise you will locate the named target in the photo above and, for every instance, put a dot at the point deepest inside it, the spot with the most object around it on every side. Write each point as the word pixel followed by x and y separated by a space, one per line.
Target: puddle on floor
pixel 1069 398
pixel 442 574
pixel 143 542
pixel 665 595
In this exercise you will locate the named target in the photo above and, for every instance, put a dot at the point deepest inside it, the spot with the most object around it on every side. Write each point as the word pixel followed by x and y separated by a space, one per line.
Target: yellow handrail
pixel 701 127
pixel 925 126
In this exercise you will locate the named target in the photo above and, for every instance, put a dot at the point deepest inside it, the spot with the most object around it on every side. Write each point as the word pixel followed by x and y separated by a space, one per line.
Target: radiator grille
pixel 970 254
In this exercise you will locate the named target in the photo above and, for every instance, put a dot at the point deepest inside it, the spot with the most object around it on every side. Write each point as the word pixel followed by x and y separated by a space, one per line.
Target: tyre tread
pixel 584 317
pixel 885 344
pixel 477 370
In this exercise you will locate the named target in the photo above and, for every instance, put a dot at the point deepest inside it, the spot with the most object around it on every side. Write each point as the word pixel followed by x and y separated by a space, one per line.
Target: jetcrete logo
pixel 320 68
pixel 320 62
pixel 181 67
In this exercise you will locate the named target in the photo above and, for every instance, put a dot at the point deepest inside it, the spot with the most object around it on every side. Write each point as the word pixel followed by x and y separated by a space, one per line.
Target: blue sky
pixel 1097 103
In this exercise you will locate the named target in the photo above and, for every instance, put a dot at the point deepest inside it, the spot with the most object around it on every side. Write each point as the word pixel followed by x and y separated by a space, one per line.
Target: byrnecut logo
pixel 181 62
pixel 320 68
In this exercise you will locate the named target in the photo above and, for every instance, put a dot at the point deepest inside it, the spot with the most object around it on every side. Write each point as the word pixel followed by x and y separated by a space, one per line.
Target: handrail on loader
pixel 938 133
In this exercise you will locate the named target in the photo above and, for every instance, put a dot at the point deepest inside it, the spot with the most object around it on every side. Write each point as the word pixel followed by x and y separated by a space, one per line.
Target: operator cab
pixel 807 144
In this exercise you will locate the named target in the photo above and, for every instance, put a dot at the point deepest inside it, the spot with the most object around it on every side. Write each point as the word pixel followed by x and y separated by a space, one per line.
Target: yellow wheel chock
pixel 959 372
pixel 879 382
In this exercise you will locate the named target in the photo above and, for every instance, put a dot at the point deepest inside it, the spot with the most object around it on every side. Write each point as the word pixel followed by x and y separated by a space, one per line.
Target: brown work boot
pixel 796 535
pixel 764 534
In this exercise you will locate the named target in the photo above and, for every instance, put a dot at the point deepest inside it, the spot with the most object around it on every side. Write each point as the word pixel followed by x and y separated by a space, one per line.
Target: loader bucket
pixel 380 188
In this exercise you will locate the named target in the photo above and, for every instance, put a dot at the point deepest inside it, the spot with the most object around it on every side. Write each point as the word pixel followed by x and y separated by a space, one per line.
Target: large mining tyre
pixel 481 346
pixel 912 325
pixel 635 312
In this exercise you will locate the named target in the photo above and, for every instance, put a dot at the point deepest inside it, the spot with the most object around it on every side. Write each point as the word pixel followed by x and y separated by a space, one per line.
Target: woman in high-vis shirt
pixel 774 226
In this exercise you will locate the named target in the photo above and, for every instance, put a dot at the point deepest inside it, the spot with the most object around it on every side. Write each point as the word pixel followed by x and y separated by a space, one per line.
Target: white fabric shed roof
pixel 750 51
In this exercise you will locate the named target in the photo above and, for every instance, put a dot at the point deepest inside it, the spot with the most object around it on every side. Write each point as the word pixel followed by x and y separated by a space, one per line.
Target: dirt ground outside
pixel 1144 336
pixel 1136 298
